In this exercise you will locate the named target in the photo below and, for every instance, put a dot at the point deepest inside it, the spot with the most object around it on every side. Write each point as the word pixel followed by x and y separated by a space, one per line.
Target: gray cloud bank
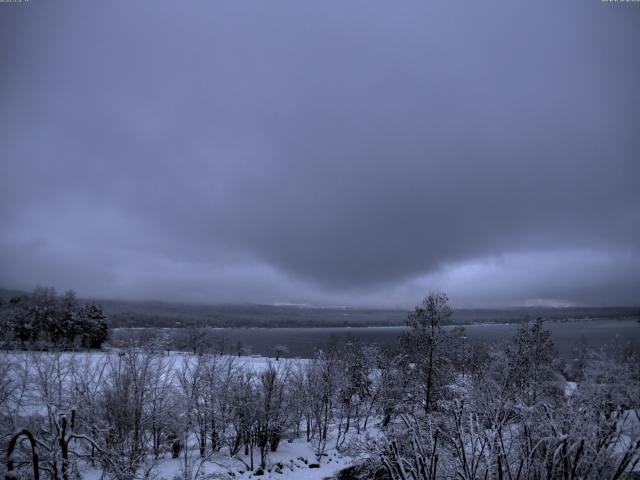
pixel 328 152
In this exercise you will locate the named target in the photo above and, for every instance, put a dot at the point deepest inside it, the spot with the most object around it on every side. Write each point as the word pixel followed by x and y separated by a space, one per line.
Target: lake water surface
pixel 303 342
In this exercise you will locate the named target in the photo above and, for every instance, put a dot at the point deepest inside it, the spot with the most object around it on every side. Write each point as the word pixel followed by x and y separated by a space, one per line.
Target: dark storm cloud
pixel 354 152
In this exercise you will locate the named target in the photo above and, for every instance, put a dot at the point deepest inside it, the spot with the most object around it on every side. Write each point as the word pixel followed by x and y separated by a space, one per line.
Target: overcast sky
pixel 326 152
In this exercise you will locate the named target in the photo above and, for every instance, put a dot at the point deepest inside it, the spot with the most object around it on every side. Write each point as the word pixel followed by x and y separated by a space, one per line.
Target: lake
pixel 303 342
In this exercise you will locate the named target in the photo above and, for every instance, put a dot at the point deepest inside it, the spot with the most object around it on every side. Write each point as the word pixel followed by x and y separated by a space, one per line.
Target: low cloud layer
pixel 325 152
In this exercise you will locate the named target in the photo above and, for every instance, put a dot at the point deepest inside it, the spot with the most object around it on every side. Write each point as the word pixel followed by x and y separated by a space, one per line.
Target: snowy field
pixel 290 462
pixel 98 363
pixel 46 384
pixel 294 459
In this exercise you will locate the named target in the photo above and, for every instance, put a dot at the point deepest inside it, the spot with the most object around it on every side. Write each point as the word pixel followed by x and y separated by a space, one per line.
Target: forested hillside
pixel 45 318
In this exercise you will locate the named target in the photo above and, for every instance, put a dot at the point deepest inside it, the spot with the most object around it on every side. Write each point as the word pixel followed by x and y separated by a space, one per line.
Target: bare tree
pixel 272 417
pixel 426 347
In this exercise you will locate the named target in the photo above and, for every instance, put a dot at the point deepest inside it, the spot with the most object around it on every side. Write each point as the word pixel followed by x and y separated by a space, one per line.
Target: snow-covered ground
pixel 295 458
pixel 98 363
pixel 290 462
pixel 96 358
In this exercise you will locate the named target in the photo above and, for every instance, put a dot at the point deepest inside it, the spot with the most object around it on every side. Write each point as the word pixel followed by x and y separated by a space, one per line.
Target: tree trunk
pixel 34 455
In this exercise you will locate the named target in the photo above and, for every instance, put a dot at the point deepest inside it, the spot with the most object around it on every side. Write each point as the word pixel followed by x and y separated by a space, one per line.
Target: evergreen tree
pixel 44 316
pixel 91 326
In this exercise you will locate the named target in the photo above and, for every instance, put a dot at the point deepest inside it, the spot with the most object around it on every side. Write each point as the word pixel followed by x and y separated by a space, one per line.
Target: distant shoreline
pixel 331 325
